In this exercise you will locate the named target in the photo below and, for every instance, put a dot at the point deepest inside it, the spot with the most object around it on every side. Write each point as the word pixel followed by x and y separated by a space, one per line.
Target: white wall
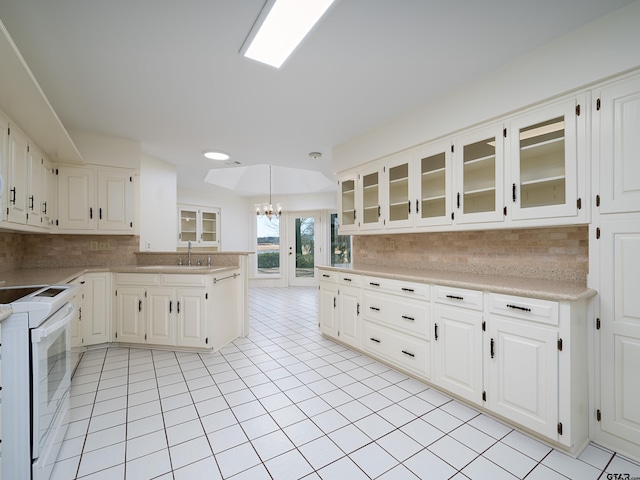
pixel 158 211
pixel 605 47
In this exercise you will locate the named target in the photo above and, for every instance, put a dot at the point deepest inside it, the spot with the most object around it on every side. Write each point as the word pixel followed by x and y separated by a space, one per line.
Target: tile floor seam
pixel 289 352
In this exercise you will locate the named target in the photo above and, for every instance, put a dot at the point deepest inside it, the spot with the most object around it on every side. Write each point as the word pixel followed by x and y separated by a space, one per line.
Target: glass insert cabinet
pixel 198 225
pixel 543 148
pixel 523 168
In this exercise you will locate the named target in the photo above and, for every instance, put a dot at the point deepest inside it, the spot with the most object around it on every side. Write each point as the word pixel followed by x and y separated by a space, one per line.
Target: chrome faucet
pixel 189 253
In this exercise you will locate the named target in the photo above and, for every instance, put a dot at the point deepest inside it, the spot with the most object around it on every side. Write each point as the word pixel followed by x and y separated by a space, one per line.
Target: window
pixel 268 245
pixel 340 244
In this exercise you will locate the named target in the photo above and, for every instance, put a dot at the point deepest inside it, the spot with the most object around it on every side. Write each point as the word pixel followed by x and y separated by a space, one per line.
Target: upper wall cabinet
pixel 418 187
pixel 370 183
pixel 479 168
pixel 17 174
pixel 527 170
pixel 198 225
pixel 617 145
pixel 95 200
pixel 542 171
pixel 28 181
pixel 348 220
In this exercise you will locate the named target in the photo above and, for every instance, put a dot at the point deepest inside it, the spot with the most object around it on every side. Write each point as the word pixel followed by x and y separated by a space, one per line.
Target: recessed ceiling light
pixel 280 27
pixel 216 155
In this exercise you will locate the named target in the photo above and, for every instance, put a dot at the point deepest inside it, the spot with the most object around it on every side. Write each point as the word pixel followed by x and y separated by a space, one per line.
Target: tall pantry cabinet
pixel 615 254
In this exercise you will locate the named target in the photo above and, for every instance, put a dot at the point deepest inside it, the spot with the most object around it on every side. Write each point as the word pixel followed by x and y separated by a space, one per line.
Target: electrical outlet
pixel 93 245
pixel 147 246
pixel 392 244
pixel 104 246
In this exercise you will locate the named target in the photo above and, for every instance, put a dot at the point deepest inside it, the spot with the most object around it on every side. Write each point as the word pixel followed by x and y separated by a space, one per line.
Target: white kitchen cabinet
pixel 167 309
pixel 457 342
pixel 160 307
pixel 478 159
pixel 397 323
pixel 221 312
pixel 349 300
pixel 523 373
pixel 340 306
pixel 96 308
pixel 369 190
pixel 618 408
pixel 399 191
pixel 130 317
pixel 192 318
pixel 39 189
pixel 347 207
pixel 543 161
pixel 115 200
pixel 16 180
pixel 434 185
pixel 328 303
pixel 198 225
pixel 616 147
pixel 95 200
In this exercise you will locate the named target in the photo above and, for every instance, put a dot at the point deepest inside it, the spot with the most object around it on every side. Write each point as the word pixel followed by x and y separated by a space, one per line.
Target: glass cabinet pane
pixel 188 225
pixel 542 164
pixel 479 176
pixel 209 220
pixel 348 194
pixel 433 186
pixel 399 192
pixel 370 196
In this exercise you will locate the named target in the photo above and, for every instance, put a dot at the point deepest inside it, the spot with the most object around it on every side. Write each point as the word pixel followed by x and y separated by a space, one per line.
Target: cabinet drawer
pixel 460 297
pixel 541 311
pixel 137 279
pixel 405 314
pixel 183 280
pixel 327 276
pixel 349 279
pixel 398 348
pixel 409 289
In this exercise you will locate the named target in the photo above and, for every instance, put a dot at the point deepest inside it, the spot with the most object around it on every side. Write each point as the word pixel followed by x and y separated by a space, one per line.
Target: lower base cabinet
pixel 521 359
pixel 457 351
pixel 162 309
pixel 523 374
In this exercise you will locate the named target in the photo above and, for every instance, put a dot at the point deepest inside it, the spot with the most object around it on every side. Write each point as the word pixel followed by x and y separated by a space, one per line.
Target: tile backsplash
pixel 558 253
pixel 24 250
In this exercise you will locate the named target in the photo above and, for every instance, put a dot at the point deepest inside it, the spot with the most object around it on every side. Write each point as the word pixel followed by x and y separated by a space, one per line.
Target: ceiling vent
pixel 232 163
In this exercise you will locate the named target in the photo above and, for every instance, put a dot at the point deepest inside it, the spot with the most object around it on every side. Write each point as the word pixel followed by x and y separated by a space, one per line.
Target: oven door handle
pixel 45 330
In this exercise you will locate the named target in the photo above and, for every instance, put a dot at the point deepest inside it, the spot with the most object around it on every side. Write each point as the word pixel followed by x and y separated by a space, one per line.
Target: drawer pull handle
pixel 374 340
pixel 346 279
pixel 375 309
pixel 409 318
pixel 455 297
pixel 517 307
pixel 325 275
pixel 408 289
pixel 408 353
pixel 373 284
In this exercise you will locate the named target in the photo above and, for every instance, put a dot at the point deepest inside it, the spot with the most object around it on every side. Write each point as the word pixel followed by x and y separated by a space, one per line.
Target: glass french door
pixel 301 251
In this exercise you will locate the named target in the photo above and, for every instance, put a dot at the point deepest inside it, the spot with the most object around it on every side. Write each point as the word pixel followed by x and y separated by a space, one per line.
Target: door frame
pixel 319 247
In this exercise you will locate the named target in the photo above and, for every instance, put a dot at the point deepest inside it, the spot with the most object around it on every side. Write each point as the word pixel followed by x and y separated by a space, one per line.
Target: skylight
pixel 287 22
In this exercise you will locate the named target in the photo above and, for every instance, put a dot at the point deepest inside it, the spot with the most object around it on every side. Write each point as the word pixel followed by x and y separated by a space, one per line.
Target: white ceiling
pixel 168 73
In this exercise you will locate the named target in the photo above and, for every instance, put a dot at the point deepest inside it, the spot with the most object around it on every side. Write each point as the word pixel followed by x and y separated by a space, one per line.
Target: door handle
pixel 139 305
pixel 492 348
pixel 435 332
pixel 178 306
pixel 170 306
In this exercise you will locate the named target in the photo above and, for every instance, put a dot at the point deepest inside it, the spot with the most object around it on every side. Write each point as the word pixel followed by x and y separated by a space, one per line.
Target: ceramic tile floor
pixel 286 403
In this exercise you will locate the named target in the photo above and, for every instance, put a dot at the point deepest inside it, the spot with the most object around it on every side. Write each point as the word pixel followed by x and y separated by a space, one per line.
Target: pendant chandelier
pixel 266 209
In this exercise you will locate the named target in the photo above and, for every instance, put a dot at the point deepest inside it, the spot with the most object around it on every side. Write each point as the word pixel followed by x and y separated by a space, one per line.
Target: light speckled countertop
pixel 524 287
pixel 58 276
